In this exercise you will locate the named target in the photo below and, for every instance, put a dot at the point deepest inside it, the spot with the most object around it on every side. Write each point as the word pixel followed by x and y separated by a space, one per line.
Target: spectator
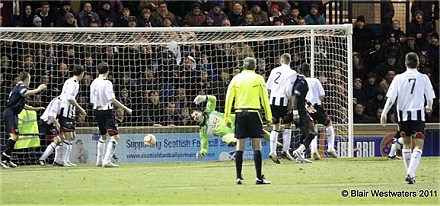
pixel 145 19
pixel 65 8
pixel 410 46
pixel 47 18
pixel 226 22
pixel 393 46
pixel 359 70
pixel 314 18
pixel 248 19
pixel 28 17
pixel 386 11
pixel 390 64
pixel 185 117
pixel 69 20
pixel 167 22
pixel 218 14
pixel 275 14
pixel 37 21
pixel 260 16
pixel 108 22
pixel 86 16
pixel 292 17
pixel 396 30
pixel 162 12
pixel 371 86
pixel 362 35
pixel 209 20
pixel 120 117
pixel 376 55
pixel 358 93
pixel 171 116
pixel 236 17
pixel 181 99
pixel 420 28
pixel 429 8
pixel 132 21
pixel 152 112
pixel 301 21
pixel 105 11
pixel 122 21
pixel 375 103
pixel 359 114
pixel 433 52
pixel 385 83
pixel 195 16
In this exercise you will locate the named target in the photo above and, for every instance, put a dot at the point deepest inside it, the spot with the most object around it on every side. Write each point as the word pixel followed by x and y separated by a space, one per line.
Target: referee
pixel 249 92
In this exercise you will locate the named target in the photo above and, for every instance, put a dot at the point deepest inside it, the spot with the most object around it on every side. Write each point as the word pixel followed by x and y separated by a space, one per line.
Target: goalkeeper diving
pixel 213 123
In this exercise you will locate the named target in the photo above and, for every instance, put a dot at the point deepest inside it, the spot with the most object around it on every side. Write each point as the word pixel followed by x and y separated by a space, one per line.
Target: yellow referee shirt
pixel 249 92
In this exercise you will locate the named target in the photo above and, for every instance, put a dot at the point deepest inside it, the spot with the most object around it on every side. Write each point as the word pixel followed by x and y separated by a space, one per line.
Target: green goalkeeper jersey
pixel 213 123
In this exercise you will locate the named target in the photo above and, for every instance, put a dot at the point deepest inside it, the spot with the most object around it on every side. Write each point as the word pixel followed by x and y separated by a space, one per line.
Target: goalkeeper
pixel 213 123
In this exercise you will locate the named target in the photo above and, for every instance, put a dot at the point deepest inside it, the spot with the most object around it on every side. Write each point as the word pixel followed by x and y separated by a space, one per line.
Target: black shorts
pixel 67 124
pixel 278 112
pixel 305 120
pixel 248 124
pixel 411 127
pixel 11 122
pixel 48 129
pixel 106 121
pixel 320 116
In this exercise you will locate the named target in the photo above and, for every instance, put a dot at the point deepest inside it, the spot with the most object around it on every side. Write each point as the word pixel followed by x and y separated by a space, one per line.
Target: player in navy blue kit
pixel 300 116
pixel 16 103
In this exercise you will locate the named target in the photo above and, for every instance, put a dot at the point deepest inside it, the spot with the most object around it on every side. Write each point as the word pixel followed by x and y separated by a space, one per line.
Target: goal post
pixel 173 65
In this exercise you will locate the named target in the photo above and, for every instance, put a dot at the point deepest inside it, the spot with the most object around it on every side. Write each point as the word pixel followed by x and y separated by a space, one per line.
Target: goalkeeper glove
pixel 199 155
pixel 199 99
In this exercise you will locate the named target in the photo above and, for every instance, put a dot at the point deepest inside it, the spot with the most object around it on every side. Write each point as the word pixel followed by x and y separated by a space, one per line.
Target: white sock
pixel 330 133
pixel 286 139
pixel 70 151
pixel 111 146
pixel 273 141
pixel 393 150
pixel 48 151
pixel 65 151
pixel 100 149
pixel 58 153
pixel 415 161
pixel 301 148
pixel 400 143
pixel 406 154
pixel 314 144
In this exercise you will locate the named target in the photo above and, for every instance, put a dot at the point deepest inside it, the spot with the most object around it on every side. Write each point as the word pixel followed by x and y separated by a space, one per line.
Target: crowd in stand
pixel 173 75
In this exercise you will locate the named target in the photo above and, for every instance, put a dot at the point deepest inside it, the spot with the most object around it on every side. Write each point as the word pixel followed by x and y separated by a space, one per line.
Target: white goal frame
pixel 312 28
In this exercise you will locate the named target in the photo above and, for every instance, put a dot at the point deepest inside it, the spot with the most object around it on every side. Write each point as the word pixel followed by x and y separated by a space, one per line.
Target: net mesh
pixel 158 73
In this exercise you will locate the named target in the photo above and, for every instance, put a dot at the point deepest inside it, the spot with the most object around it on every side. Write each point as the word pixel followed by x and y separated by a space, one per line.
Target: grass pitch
pixel 321 182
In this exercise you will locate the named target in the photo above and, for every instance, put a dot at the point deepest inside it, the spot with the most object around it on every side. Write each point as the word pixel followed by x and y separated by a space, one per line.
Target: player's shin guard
pixel 65 149
pixel 111 146
pixel 330 133
pixel 273 141
pixel 258 163
pixel 7 152
pixel 406 154
pixel 286 139
pixel 48 151
pixel 415 161
pixel 238 163
pixel 58 154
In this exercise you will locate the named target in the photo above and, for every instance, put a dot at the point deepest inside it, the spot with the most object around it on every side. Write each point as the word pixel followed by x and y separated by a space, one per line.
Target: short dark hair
pixel 305 69
pixel 23 75
pixel 77 70
pixel 249 63
pixel 412 60
pixel 103 68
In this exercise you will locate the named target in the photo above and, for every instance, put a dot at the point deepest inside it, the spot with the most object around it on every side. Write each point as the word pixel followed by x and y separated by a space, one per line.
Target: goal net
pixel 158 71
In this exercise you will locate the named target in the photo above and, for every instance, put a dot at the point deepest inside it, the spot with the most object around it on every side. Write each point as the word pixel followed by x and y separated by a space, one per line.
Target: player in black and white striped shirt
pixel 103 98
pixel 411 89
pixel 66 116
pixel 51 128
pixel 278 79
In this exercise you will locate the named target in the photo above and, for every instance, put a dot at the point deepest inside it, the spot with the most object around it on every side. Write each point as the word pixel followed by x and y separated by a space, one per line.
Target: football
pixel 150 140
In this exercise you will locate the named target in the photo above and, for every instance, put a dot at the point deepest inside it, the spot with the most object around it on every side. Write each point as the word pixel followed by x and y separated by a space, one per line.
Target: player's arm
pixel 26 93
pixel 212 102
pixel 77 106
pixel 391 97
pixel 117 103
pixel 27 107
pixel 230 95
pixel 429 94
pixel 204 139
pixel 71 94
pixel 55 122
pixel 264 99
pixel 112 98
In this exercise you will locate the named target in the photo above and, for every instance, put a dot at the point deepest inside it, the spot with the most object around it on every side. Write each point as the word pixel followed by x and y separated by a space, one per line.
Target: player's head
pixel 285 58
pixel 305 69
pixel 412 60
pixel 25 78
pixel 103 68
pixel 78 71
pixel 249 63
pixel 197 116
